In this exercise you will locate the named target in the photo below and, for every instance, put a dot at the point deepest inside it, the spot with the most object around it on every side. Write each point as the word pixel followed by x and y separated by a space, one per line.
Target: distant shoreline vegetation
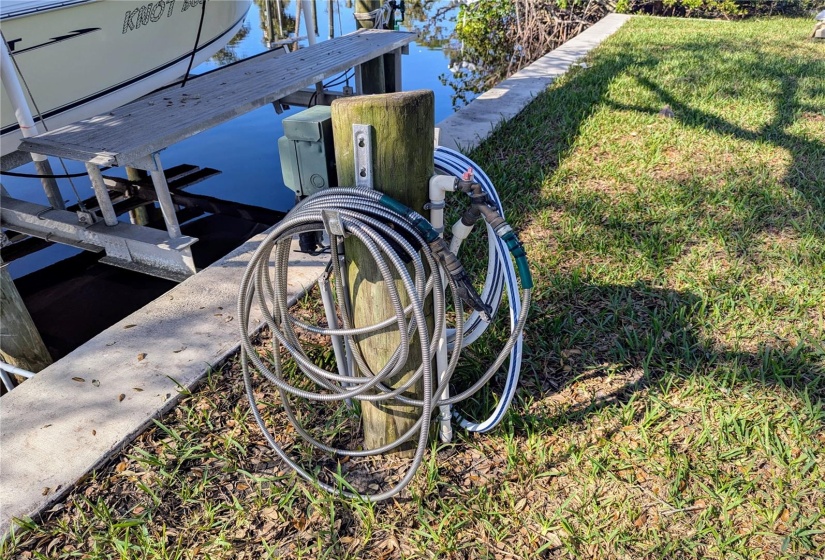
pixel 724 9
pixel 496 38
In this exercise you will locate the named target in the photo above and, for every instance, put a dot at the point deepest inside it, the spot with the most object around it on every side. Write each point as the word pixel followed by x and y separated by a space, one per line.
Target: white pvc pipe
pixel 439 185
pixel 16 370
pixel 6 380
pixel 4 367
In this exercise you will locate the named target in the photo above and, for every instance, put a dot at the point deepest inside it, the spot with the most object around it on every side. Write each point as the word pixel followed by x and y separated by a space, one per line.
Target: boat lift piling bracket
pixel 396 58
pixel 137 248
pixel 280 107
pixel 362 153
pixel 167 207
pixel 104 202
pixel 359 80
pixel 396 68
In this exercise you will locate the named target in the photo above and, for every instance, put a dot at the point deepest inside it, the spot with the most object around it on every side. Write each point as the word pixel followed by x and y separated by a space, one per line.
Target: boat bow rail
pixel 132 135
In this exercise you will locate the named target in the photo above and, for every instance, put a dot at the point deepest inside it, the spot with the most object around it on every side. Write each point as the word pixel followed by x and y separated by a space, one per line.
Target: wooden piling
pixel 20 342
pixel 403 125
pixel 373 78
pixel 139 216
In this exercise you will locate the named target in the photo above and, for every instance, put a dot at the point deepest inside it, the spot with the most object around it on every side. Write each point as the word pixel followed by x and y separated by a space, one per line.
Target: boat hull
pixel 84 59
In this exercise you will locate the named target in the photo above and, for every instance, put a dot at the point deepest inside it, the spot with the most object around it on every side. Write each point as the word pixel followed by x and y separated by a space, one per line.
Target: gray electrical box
pixel 307 157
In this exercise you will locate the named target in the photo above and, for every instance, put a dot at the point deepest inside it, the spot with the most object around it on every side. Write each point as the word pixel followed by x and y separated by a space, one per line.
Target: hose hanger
pixel 380 17
pixel 404 245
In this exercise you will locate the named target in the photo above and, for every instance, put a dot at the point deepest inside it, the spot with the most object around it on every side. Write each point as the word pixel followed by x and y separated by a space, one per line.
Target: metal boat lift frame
pixel 134 134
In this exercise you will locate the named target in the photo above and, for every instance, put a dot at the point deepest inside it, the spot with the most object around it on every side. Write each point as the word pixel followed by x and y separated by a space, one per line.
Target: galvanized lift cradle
pixel 134 134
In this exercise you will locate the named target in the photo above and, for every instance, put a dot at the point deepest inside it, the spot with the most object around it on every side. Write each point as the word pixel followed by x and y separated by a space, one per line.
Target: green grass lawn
pixel 672 403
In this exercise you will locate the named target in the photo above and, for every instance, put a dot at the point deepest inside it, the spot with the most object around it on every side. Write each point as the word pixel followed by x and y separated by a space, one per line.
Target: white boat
pixel 80 58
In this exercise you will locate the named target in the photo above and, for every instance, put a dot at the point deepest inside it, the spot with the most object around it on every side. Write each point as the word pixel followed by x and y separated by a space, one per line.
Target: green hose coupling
pixel 515 246
pixel 395 206
pixel 466 290
pixel 421 224
pixel 517 250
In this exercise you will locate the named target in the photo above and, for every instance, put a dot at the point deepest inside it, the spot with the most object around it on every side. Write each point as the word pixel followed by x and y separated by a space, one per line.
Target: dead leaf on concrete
pixel 141 356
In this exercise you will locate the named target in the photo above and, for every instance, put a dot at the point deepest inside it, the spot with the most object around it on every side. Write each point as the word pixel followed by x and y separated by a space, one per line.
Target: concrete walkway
pixel 74 415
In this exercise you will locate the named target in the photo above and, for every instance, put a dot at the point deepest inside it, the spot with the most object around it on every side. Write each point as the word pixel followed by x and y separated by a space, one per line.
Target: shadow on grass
pixel 806 173
pixel 633 335
pixel 613 340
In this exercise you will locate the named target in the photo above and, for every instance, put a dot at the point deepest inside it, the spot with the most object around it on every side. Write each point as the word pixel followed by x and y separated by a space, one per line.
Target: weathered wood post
pixel 139 216
pixel 403 125
pixel 373 79
pixel 280 11
pixel 268 26
pixel 20 342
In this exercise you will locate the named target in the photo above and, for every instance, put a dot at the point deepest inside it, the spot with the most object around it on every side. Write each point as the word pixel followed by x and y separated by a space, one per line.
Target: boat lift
pixel 133 135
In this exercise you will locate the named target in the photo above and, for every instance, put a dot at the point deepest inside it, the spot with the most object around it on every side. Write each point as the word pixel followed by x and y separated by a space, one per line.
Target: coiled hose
pixel 394 235
pixel 500 274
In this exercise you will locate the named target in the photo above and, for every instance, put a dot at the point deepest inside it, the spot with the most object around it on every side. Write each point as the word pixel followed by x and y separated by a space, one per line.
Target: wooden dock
pixel 129 133
pixel 134 134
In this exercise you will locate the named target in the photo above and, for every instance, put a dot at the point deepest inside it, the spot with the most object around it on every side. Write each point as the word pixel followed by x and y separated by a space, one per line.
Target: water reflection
pixel 245 149
pixel 280 23
pixel 276 23
pixel 229 53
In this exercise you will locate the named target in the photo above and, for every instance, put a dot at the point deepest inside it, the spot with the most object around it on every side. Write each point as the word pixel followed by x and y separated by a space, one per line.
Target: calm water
pixel 245 149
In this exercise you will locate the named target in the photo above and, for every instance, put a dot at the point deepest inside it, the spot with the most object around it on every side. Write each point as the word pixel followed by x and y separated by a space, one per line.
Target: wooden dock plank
pixel 152 123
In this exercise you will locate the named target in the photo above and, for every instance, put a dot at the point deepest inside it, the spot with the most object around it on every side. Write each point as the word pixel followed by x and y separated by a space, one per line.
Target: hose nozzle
pixel 466 290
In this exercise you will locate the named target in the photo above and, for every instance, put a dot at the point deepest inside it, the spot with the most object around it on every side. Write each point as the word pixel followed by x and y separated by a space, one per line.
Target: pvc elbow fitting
pixel 439 184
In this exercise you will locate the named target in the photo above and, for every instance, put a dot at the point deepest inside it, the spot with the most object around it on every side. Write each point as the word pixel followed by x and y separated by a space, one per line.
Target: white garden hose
pixel 500 273
pixel 393 235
